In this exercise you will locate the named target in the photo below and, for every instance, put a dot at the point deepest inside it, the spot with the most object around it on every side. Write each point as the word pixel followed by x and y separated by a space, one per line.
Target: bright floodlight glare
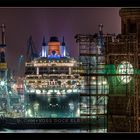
pixel 48 92
pixel 2 83
pixel 58 92
pixel 78 112
pixel 10 92
pixel 38 91
pixel 32 90
pixel 104 82
pixel 69 91
pixel 29 112
pixel 75 90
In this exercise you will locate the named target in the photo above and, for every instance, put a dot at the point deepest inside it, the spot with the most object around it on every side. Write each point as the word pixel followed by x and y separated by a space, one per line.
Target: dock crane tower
pixel 31 50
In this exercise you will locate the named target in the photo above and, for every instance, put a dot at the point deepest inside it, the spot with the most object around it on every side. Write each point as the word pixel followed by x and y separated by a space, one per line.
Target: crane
pixel 31 50
pixel 100 38
pixel 20 64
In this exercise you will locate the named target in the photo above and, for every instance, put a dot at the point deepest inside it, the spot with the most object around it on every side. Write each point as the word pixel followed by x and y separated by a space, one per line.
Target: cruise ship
pixel 52 83
pixel 48 96
pixel 49 93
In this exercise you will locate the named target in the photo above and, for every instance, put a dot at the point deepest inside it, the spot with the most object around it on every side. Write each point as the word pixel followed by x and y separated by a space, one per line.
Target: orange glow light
pixel 54 46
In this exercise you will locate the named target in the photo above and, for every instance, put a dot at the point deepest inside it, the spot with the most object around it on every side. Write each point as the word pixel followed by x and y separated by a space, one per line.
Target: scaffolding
pixel 109 99
pixel 122 57
pixel 93 95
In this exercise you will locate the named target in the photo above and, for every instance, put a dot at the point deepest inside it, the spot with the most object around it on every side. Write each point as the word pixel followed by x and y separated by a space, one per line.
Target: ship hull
pixel 40 123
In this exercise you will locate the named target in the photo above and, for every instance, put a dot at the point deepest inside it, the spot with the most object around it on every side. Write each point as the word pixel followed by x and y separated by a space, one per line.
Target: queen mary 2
pixel 52 83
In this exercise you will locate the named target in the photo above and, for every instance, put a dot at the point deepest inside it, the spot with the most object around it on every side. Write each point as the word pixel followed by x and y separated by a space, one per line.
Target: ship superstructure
pixel 52 82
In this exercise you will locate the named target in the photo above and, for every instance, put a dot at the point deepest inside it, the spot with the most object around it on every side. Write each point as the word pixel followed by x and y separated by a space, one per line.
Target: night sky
pixel 67 22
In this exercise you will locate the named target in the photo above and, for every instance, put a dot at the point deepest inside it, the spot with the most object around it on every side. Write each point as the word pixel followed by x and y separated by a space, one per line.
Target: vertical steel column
pixel 136 89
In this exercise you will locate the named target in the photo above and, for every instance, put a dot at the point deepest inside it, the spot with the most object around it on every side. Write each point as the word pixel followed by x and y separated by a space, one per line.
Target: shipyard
pixel 97 91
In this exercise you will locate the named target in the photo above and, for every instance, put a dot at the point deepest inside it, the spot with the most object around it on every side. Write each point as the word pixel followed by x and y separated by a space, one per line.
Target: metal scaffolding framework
pixel 111 76
pixel 123 104
pixel 93 96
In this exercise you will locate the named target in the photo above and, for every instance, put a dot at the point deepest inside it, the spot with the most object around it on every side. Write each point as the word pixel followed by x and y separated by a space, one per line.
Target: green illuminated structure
pixel 94 93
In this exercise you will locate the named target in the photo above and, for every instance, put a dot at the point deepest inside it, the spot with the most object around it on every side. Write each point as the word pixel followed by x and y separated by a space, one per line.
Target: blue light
pixel 54 56
pixel 64 51
pixel 44 51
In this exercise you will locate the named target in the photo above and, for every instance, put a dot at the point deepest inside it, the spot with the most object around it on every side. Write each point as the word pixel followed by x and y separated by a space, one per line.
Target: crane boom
pixel 31 50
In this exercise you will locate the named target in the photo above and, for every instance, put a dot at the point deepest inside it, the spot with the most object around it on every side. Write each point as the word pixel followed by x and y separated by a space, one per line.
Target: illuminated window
pixel 126 69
